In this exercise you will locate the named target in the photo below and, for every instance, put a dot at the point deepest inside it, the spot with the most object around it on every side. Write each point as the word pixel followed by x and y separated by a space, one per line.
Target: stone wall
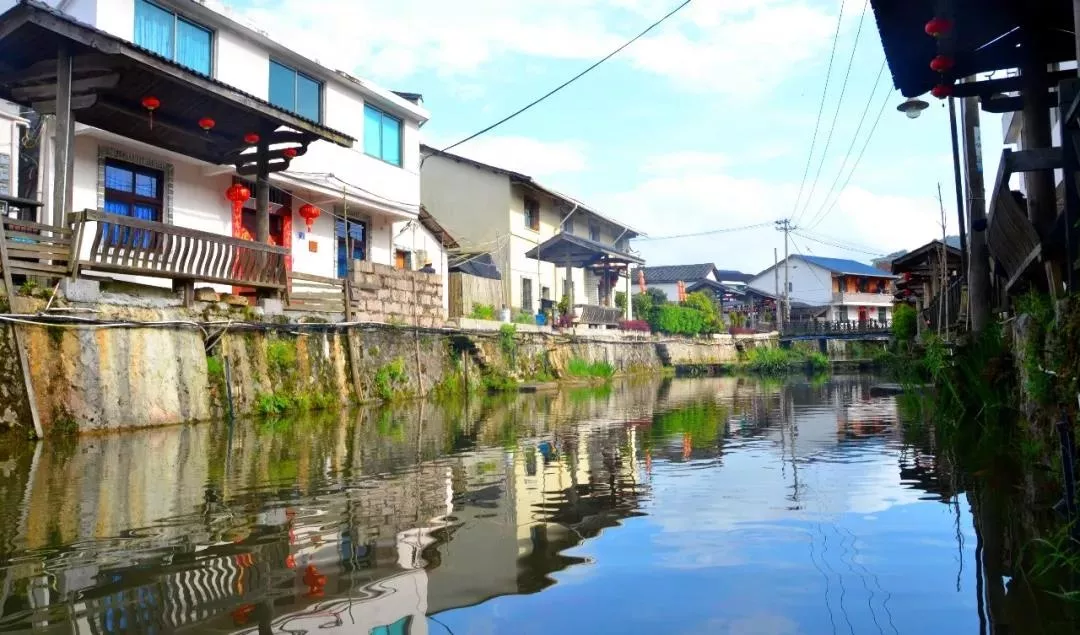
pixel 717 350
pixel 384 294
pixel 14 407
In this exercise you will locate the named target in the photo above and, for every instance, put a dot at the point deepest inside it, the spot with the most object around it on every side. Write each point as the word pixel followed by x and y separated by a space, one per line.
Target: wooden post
pixel 978 256
pixel 64 139
pixel 1041 196
pixel 16 336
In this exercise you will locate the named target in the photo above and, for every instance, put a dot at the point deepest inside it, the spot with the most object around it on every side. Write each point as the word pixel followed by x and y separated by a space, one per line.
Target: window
pixel 882 315
pixel 594 233
pixel 526 295
pixel 382 135
pixel 169 35
pixel 353 231
pixel 790 287
pixel 843 314
pixel 296 92
pixel 532 213
pixel 403 259
pixel 135 191
pixel 545 293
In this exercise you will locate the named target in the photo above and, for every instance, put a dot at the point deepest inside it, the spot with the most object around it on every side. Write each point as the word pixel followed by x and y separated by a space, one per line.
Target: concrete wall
pixel 470 202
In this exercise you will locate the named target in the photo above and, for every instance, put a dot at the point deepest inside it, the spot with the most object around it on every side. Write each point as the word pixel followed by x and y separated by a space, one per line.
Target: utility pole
pixel 776 280
pixel 978 257
pixel 943 310
pixel 785 226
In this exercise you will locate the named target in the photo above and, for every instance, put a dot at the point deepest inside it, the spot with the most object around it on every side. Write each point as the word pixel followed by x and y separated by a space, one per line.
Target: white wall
pixel 413 237
pixel 10 123
pixel 670 290
pixel 470 202
pixel 809 283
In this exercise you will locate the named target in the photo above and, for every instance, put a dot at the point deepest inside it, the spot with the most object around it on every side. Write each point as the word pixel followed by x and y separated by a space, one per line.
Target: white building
pixel 850 291
pixel 508 214
pixel 375 183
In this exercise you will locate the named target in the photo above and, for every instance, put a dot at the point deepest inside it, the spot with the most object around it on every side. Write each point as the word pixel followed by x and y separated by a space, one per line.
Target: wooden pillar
pixel 262 195
pixel 1041 196
pixel 568 287
pixel 63 156
pixel 978 256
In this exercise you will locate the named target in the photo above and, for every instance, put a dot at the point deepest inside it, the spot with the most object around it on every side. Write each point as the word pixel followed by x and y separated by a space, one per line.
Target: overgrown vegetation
pixel 779 361
pixel 281 356
pixel 483 312
pixel 524 317
pixel 508 342
pixel 905 323
pixel 278 403
pixel 698 315
pixel 581 369
pixel 391 381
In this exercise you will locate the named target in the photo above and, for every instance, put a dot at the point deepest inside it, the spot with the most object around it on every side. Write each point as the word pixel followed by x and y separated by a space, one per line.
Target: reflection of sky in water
pixel 727 546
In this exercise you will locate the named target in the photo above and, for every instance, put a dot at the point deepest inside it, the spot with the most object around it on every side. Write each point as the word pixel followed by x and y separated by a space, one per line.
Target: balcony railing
pixel 121 244
pixel 857 298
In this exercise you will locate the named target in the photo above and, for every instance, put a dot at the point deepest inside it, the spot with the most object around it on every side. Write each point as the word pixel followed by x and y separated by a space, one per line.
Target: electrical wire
pixel 837 245
pixel 858 159
pixel 836 114
pixel 821 109
pixel 567 82
pixel 846 243
pixel 812 269
pixel 708 232
pixel 851 146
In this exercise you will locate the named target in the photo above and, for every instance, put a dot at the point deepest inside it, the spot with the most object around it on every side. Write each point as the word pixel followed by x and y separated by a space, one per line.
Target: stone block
pixel 272 306
pixel 206 294
pixel 234 300
pixel 81 290
pixel 364 266
pixel 384 294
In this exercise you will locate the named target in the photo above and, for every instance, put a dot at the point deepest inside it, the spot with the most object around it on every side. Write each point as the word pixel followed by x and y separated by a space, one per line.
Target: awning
pixel 111 77
pixel 985 37
pixel 568 250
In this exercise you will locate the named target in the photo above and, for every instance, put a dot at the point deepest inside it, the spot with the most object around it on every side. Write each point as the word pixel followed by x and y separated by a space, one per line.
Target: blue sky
pixel 704 124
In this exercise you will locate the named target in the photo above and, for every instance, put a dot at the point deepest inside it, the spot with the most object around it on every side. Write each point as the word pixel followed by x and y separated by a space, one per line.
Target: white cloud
pixel 722 46
pixel 522 154
pixel 679 162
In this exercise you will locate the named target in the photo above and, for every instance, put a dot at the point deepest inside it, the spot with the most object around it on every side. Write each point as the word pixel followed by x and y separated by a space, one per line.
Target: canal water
pixel 718 505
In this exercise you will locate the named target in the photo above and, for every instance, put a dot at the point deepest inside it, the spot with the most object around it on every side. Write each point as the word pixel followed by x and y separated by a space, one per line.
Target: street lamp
pixel 913 107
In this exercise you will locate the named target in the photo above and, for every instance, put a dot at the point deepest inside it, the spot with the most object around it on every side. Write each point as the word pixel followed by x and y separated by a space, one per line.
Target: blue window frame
pixel 174 37
pixel 382 135
pixel 343 231
pixel 296 92
pixel 135 191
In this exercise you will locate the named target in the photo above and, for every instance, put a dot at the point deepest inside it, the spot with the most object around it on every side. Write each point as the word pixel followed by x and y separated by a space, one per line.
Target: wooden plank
pixel 78 87
pixel 296 275
pixel 29 250
pixel 15 223
pixel 56 240
pixel 32 268
pixel 1036 159
pixel 136 271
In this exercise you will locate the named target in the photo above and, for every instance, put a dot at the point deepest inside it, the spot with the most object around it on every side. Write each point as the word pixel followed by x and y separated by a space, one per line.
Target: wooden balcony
pixel 121 244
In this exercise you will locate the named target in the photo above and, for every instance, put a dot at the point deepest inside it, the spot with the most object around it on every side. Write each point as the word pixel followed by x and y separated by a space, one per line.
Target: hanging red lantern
pixel 309 213
pixel 237 194
pixel 207 124
pixel 941 64
pixel 941 91
pixel 251 138
pixel 938 27
pixel 151 103
pixel 289 153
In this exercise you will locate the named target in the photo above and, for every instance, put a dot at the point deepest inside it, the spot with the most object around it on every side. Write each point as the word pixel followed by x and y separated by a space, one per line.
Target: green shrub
pixel 679 320
pixel 508 340
pixel 524 317
pixel 769 361
pixel 281 356
pixel 620 300
pixel 272 405
pixel 905 322
pixel 390 380
pixel 596 370
pixel 483 312
pixel 495 381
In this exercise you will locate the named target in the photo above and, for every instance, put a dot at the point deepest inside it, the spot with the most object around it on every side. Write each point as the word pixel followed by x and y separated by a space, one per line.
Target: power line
pixel 836 114
pixel 569 81
pixel 851 146
pixel 846 243
pixel 812 269
pixel 709 232
pixel 821 108
pixel 858 159
pixel 828 243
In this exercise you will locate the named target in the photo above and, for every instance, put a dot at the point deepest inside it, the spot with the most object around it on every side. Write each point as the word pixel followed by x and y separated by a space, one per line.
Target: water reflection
pixel 711 505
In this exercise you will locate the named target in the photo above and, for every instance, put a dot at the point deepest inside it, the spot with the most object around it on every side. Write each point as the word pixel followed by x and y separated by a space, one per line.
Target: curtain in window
pixel 372 132
pixel 307 97
pixel 391 140
pixel 193 46
pixel 114 234
pixel 282 86
pixel 154 28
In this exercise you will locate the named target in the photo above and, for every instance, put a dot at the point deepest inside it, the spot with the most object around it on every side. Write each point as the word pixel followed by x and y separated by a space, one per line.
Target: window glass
pixel 307 97
pixel 173 37
pixel 372 131
pixel 282 86
pixel 382 135
pixel 118 178
pixel 154 28
pixel 391 140
pixel 193 46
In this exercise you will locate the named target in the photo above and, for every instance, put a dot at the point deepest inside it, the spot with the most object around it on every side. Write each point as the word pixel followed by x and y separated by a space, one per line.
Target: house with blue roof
pixel 844 290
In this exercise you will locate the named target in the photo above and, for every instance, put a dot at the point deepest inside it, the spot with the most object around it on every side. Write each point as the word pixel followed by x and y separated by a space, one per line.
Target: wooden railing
pixel 822 327
pixel 34 249
pixel 121 244
pixel 597 315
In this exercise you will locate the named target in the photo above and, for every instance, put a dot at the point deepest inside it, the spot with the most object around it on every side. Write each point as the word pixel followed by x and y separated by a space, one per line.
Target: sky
pixel 704 124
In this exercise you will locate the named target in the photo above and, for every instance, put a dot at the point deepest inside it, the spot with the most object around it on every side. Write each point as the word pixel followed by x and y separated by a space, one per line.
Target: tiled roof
pixel 845 267
pixel 676 273
pixel 730 275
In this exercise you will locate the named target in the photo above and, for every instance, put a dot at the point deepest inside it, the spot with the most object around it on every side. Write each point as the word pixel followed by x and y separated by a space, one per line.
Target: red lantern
pixel 238 195
pixel 251 138
pixel 941 64
pixel 938 27
pixel 151 103
pixel 207 124
pixel 289 153
pixel 941 91
pixel 309 213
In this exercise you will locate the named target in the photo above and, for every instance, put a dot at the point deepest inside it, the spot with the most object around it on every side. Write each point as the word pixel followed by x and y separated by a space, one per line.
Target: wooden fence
pixel 122 244
pixel 467 290
pixel 315 293
pixel 34 249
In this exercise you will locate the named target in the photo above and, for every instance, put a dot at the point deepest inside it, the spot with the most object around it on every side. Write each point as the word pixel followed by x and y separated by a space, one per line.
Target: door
pixel 526 295
pixel 402 259
pixel 863 317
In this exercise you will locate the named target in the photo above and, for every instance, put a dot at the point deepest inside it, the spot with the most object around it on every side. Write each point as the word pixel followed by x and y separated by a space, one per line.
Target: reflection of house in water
pixel 867 418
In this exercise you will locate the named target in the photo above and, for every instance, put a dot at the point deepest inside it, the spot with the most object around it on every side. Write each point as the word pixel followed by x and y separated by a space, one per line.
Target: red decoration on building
pixel 941 91
pixel 237 194
pixel 938 27
pixel 289 153
pixel 251 138
pixel 151 103
pixel 309 213
pixel 941 64
pixel 207 124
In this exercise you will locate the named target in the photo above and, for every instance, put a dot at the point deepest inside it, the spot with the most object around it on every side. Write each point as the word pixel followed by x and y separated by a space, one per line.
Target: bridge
pixel 821 330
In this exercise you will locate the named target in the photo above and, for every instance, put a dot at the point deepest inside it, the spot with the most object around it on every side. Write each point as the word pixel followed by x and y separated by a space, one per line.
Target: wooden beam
pixel 78 87
pixel 80 102
pixel 1035 159
pixel 989 87
pixel 211 138
pixel 252 169
pixel 272 155
pixel 45 71
pixel 1001 105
